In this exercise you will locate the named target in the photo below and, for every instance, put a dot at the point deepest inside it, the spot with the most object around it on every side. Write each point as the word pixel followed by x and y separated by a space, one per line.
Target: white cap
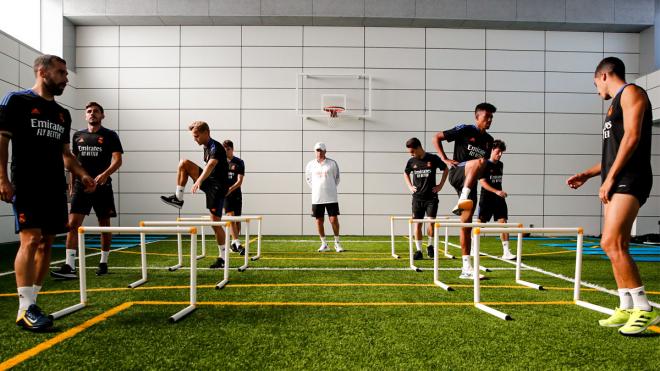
pixel 320 145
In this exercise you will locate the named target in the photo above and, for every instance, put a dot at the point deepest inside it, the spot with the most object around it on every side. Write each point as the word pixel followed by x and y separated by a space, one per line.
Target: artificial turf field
pixel 366 310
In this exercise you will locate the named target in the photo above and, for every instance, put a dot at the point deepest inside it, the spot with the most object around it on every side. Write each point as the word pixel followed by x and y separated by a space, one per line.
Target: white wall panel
pixel 149 57
pixel 97 57
pixel 186 142
pixel 393 162
pixel 333 57
pixel 210 36
pixel 270 120
pixel 573 103
pixel 273 183
pixel 149 36
pixel 210 56
pixel 264 162
pixel 555 185
pixel 378 141
pixel 158 140
pixel 157 182
pixel 516 102
pixel 268 98
pixel 577 205
pixel 388 183
pixel 455 59
pixel 522 143
pixel 149 98
pixel 572 62
pixel 621 42
pixel 573 123
pixel 515 40
pixel 514 60
pixel 272 141
pixel 439 121
pixel 272 57
pixel 272 36
pixel 150 162
pixel 334 36
pixel 334 140
pixel 514 122
pixel 455 80
pixel 514 81
pixel 398 99
pixel 394 37
pixel 393 58
pixel 568 164
pixel 8 69
pixel 573 144
pixel 591 224
pixel 269 77
pixel 574 41
pixel 97 78
pixel 453 100
pixel 107 97
pixel 97 36
pixel 9 46
pixel 561 82
pixel 149 78
pixel 225 119
pixel 382 78
pixel 210 98
pixel 395 121
pixel 455 38
pixel 266 203
pixel 148 119
pixel 210 78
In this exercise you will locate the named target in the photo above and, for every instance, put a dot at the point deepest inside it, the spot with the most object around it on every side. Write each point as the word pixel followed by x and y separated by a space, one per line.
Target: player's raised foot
pixel 33 319
pixel 219 264
pixel 617 319
pixel 172 201
pixel 468 274
pixel 418 255
pixel 102 270
pixel 639 321
pixel 65 272
pixel 462 204
pixel 429 251
pixel 338 247
pixel 323 248
pixel 508 256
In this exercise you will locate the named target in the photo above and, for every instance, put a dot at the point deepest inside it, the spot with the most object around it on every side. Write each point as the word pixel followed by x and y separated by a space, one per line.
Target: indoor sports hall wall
pixel 154 80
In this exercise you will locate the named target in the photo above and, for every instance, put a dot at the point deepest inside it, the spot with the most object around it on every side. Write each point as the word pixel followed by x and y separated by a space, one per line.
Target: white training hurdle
pixel 578 231
pixel 201 223
pixel 394 218
pixel 450 224
pixel 143 231
pixel 226 218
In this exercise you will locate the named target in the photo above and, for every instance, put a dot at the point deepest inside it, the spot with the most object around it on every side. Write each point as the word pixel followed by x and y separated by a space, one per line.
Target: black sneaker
pixel 65 272
pixel 234 246
pixel 241 250
pixel 172 201
pixel 103 269
pixel 219 263
pixel 429 251
pixel 418 255
pixel 33 319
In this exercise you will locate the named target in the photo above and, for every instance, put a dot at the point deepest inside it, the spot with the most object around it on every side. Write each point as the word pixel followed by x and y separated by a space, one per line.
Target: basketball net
pixel 333 114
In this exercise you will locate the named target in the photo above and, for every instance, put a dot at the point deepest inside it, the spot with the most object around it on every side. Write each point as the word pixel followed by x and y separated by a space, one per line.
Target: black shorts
pixel 45 211
pixel 102 200
pixel 640 187
pixel 492 208
pixel 457 180
pixel 234 205
pixel 318 210
pixel 420 208
pixel 215 194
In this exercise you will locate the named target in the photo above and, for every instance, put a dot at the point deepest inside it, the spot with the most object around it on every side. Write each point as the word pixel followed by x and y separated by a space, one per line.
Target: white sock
pixel 430 240
pixel 25 299
pixel 235 242
pixel 323 241
pixel 625 299
pixel 104 256
pixel 505 247
pixel 336 239
pixel 418 245
pixel 466 262
pixel 35 292
pixel 70 259
pixel 640 301
pixel 221 251
pixel 179 192
pixel 465 193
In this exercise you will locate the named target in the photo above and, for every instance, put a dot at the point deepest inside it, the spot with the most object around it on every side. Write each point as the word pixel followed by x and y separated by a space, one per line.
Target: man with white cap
pixel 322 176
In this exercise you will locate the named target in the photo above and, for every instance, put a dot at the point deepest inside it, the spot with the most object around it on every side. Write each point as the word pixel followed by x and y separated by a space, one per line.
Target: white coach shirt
pixel 323 179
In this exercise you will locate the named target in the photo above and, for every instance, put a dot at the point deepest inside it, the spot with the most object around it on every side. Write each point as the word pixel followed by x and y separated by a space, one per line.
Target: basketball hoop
pixel 333 110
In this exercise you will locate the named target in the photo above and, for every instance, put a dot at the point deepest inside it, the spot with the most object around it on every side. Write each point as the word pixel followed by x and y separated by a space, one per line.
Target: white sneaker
pixel 323 248
pixel 338 247
pixel 468 275
pixel 508 256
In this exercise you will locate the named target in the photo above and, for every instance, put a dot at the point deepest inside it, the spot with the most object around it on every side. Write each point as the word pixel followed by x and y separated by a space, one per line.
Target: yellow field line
pixel 346 304
pixel 11 362
pixel 330 259
pixel 549 253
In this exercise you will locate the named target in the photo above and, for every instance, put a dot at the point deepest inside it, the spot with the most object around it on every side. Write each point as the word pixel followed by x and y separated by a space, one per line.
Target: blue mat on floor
pixel 118 241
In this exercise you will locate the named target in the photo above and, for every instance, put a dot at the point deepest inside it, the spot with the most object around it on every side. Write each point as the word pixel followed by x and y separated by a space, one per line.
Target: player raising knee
pixel 492 203
pixel 423 165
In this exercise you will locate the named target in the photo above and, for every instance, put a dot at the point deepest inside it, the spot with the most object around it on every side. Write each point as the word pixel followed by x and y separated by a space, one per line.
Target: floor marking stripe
pixel 11 362
pixel 347 304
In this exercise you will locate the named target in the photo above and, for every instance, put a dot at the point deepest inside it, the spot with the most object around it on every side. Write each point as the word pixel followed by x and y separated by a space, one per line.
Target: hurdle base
pixel 200 256
pixel 137 283
pixel 242 268
pixel 450 256
pixel 529 284
pixel 174 267
pixel 221 284
pixel 483 269
pixel 61 313
pixel 443 285
pixel 182 313
pixel 415 268
pixel 254 258
pixel 494 312
pixel 395 256
pixel 594 307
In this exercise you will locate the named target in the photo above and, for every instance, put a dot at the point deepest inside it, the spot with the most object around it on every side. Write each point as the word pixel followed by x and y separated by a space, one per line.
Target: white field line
pixel 110 267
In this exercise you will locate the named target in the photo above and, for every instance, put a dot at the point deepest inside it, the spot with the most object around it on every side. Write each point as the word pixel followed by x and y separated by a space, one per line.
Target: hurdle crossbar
pixel 477 232
pixel 394 218
pixel 143 231
pixel 203 223
pixel 412 221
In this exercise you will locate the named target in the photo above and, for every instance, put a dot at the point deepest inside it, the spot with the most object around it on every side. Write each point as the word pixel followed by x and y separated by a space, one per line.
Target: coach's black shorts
pixel 640 187
pixel 457 180
pixel 43 210
pixel 420 208
pixel 318 210
pixel 234 205
pixel 102 200
pixel 493 208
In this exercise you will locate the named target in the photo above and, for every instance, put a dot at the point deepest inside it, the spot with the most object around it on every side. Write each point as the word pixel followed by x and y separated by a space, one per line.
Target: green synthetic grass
pixel 405 336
